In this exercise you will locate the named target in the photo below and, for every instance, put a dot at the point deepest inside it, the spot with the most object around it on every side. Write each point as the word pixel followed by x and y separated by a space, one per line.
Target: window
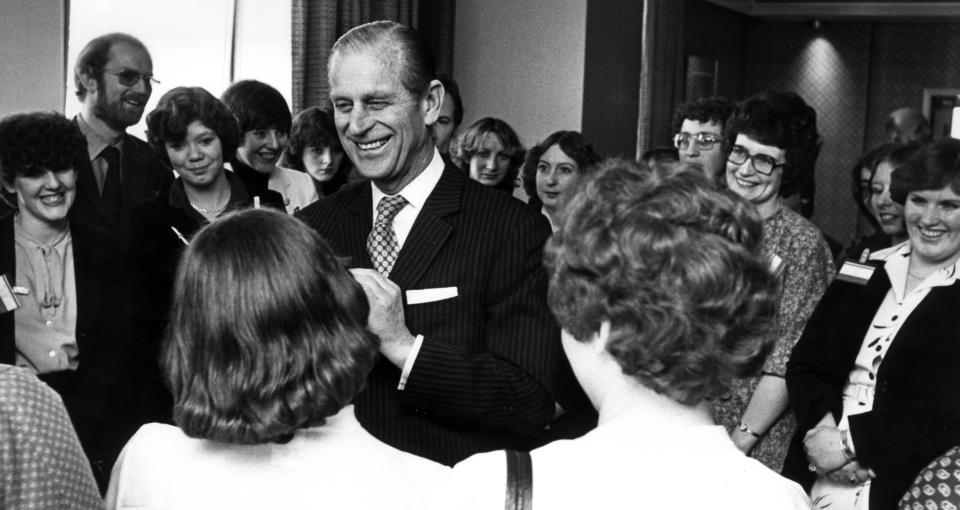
pixel 205 43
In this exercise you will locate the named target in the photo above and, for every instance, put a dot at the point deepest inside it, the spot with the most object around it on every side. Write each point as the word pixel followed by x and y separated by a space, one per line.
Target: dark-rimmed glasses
pixel 130 77
pixel 762 164
pixel 703 141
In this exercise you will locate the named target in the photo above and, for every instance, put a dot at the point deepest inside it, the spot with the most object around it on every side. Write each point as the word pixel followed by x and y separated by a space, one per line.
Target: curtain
pixel 316 25
pixel 661 70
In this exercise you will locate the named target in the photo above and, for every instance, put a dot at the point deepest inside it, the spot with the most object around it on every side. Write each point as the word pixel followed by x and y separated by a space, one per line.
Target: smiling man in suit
pixel 114 81
pixel 471 355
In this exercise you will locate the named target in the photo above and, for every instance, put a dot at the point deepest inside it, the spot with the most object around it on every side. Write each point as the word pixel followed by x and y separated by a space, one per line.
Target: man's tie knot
pixel 389 207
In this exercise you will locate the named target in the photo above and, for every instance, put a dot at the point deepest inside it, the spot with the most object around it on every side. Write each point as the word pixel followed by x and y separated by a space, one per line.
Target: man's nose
pixel 691 149
pixel 359 122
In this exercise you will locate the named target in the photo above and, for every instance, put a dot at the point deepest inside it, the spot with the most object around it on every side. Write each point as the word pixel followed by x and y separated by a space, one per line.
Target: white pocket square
pixel 418 296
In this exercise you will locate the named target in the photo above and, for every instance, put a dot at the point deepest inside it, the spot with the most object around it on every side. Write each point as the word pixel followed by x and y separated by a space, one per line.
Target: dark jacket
pixel 916 408
pixel 98 394
pixel 144 176
pixel 491 366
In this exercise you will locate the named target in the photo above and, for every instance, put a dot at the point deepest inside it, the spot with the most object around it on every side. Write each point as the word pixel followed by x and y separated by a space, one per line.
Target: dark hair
pixel 786 121
pixel 257 105
pixel 314 127
pixel 934 167
pixel 396 43
pixel 471 139
pixel 178 108
pixel 450 87
pixel 94 56
pixel 709 109
pixel 32 143
pixel 869 161
pixel 676 266
pixel 572 144
pixel 285 348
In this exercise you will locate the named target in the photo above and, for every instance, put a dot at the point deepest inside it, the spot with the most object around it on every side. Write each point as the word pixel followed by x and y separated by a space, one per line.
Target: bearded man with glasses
pixel 699 137
pixel 114 79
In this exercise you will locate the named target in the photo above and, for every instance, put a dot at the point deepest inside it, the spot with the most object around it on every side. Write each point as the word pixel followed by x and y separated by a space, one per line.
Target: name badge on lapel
pixel 855 272
pixel 8 296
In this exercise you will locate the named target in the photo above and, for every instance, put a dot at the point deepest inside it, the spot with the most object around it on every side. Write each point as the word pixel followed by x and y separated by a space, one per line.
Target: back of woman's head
pixel 571 143
pixel 675 265
pixel 267 331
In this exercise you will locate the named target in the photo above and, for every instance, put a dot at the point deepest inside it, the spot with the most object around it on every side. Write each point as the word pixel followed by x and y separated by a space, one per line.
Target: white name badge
pixel 855 272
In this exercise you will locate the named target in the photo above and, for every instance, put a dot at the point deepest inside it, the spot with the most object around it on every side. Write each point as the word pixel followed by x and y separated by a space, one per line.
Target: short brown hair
pixel 267 332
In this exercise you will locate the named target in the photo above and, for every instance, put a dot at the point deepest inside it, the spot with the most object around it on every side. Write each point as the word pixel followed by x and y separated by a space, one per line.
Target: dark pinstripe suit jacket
pixel 491 366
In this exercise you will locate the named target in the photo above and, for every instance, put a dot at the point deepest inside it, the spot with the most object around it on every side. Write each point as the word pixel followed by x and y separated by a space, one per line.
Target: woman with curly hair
pixel 492 153
pixel 71 325
pixel 775 141
pixel 665 298
pixel 554 167
pixel 263 379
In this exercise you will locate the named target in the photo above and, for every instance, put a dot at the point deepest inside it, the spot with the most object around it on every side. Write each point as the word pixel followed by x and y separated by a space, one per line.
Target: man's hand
pixel 824 449
pixel 386 315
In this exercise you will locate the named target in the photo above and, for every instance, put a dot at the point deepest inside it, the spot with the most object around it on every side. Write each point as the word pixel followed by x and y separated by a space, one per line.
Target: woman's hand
pixel 824 448
pixel 852 473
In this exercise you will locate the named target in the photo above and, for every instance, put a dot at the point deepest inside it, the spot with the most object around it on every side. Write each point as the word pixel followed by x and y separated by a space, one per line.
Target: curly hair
pixel 257 105
pixel 32 143
pixel 572 144
pixel 786 121
pixel 934 167
pixel 287 345
pixel 471 141
pixel 675 265
pixel 709 109
pixel 179 108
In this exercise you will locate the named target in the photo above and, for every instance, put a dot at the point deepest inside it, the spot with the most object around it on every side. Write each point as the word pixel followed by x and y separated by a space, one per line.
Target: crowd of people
pixel 353 308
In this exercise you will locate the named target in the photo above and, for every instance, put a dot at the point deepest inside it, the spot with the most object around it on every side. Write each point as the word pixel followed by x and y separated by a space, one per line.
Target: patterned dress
pixel 805 268
pixel 41 463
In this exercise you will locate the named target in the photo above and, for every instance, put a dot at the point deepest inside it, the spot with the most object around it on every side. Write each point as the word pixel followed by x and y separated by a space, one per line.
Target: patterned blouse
pixel 41 463
pixel 805 268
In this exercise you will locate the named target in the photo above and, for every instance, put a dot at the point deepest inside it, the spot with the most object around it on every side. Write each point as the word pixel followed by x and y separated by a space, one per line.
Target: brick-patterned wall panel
pixel 908 57
pixel 829 68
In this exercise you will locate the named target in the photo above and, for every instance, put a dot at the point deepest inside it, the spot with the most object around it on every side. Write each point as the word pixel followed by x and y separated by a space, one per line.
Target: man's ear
pixel 88 80
pixel 432 102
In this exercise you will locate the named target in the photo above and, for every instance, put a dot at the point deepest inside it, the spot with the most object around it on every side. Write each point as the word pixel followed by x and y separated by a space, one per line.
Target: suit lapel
pixel 356 227
pixel 430 231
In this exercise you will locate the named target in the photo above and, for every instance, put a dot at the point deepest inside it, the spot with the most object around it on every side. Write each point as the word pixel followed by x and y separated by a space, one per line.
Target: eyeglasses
pixel 762 164
pixel 703 141
pixel 131 77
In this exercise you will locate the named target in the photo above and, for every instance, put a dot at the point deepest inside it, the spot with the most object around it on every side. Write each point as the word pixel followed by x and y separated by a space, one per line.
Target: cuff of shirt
pixel 411 358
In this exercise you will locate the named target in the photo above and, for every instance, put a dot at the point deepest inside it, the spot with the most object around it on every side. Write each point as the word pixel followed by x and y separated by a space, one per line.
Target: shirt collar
pixel 98 138
pixel 417 191
pixel 897 263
